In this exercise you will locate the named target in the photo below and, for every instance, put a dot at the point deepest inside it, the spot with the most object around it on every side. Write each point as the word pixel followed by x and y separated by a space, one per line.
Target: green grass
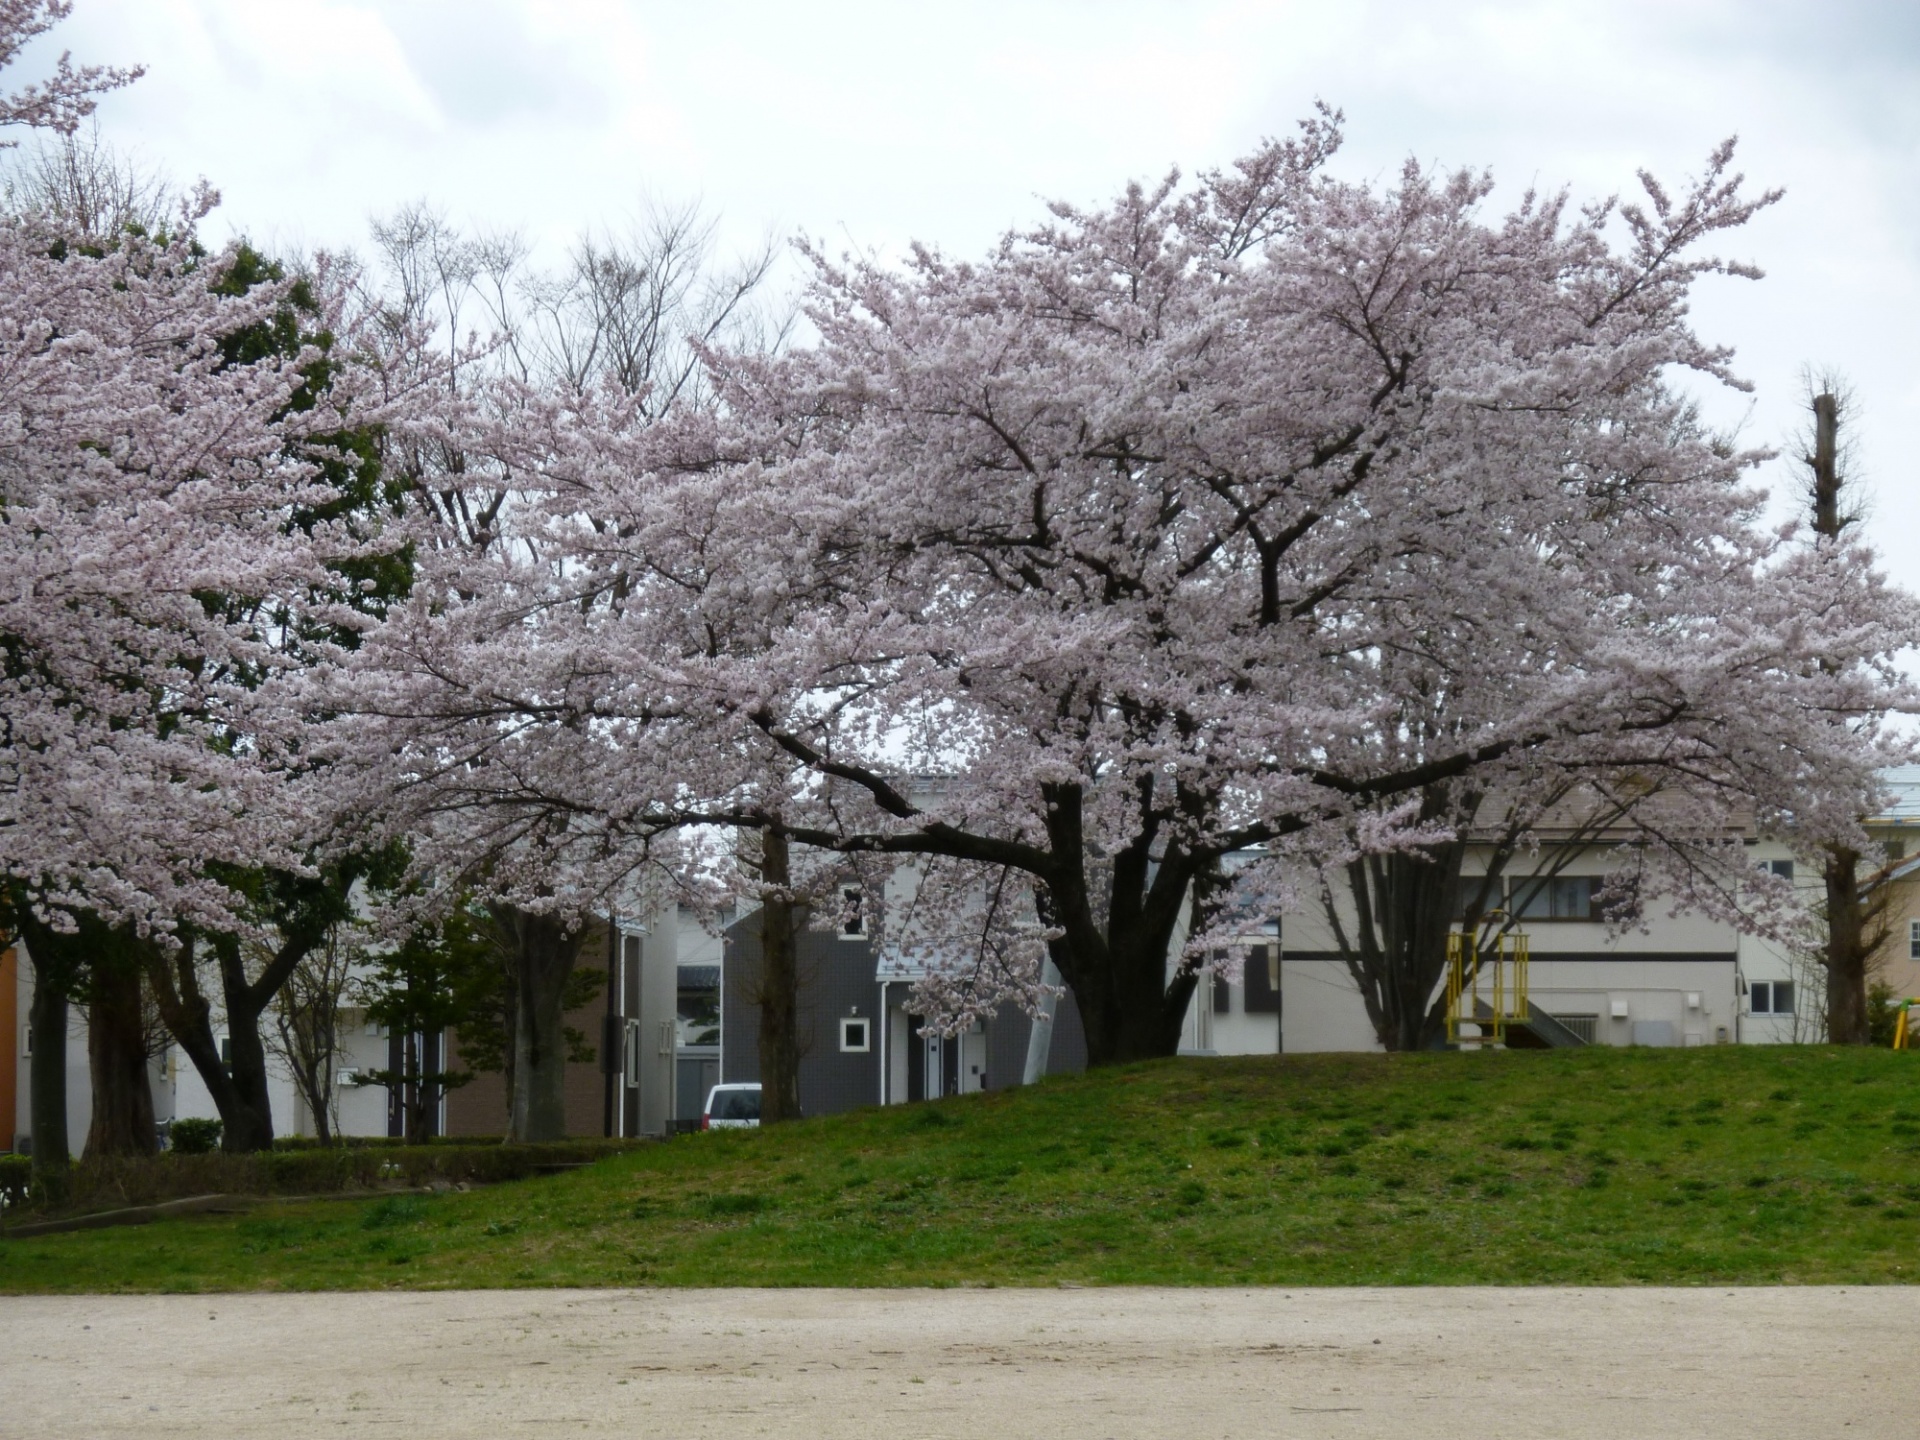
pixel 1725 1165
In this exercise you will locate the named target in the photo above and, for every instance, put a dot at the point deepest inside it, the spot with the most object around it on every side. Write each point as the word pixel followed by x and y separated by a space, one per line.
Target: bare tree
pixel 631 308
pixel 1852 909
pixel 82 182
pixel 305 1035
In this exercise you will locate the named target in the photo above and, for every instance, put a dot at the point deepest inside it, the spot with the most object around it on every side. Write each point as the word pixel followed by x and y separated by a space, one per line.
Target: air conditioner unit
pixel 1620 1010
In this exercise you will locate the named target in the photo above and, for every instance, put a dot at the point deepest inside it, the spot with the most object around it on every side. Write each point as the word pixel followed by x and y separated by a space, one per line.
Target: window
pixel 854 1036
pixel 1469 890
pixel 853 922
pixel 1261 983
pixel 1770 997
pixel 697 1003
pixel 1561 897
pixel 1896 849
pixel 1913 939
pixel 1782 868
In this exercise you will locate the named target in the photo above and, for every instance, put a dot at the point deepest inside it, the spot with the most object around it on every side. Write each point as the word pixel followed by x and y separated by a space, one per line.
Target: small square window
pixel 1781 868
pixel 854 1036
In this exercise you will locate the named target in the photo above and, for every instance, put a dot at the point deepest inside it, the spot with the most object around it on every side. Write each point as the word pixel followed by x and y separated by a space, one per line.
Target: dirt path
pixel 981 1364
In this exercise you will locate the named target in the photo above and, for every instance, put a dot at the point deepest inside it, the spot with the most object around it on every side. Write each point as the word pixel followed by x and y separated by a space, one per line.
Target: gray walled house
pixel 860 1044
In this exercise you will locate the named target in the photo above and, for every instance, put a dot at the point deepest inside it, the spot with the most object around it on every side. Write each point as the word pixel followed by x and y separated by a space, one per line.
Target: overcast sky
pixel 879 123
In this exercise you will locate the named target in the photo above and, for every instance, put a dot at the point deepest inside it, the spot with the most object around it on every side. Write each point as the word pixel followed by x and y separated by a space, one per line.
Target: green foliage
pixel 485 1030
pixel 194 1137
pixel 1119 1178
pixel 16 1173
pixel 1882 1013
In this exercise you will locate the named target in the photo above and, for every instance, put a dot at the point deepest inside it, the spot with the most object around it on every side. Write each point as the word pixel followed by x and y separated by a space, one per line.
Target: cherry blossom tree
pixel 67 96
pixel 451 705
pixel 1126 531
pixel 170 541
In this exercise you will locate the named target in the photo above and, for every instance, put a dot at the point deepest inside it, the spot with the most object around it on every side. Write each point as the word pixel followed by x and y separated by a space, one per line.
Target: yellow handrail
pixel 1903 1033
pixel 1501 970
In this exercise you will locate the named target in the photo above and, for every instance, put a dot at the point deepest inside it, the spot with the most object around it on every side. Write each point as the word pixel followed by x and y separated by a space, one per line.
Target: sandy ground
pixel 983 1364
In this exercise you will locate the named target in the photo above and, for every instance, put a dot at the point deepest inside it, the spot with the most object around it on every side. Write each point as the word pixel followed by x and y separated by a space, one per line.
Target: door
pixel 973 1059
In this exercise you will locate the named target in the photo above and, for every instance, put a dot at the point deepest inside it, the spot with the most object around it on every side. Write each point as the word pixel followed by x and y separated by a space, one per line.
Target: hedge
pixel 144 1180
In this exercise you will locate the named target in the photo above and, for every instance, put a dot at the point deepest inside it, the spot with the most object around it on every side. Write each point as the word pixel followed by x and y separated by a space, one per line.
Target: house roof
pixel 1903 787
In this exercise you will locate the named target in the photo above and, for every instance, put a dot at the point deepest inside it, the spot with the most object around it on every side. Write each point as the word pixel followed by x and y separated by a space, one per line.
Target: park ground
pixel 1754 1363
pixel 1719 1166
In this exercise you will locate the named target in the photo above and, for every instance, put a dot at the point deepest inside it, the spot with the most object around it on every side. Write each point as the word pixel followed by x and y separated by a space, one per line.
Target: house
pixel 860 1040
pixel 678 1013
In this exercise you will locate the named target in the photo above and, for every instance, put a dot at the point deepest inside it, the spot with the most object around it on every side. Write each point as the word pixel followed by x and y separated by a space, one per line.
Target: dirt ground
pixel 972 1363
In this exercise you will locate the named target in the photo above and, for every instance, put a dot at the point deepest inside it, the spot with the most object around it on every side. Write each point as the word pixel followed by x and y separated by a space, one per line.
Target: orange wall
pixel 9 1044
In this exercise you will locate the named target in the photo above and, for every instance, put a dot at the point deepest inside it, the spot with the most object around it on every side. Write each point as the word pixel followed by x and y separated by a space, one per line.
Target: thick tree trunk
pixel 1129 1009
pixel 117 1057
pixel 174 978
pixel 47 1073
pixel 1114 934
pixel 1397 953
pixel 544 950
pixel 250 1127
pixel 779 986
pixel 1847 951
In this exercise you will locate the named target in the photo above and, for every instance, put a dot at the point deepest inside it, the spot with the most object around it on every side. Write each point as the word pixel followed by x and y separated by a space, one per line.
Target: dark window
pixel 1770 997
pixel 852 920
pixel 1560 897
pixel 1782 868
pixel 853 1036
pixel 1896 849
pixel 1262 983
pixel 698 1009
pixel 1222 996
pixel 1913 939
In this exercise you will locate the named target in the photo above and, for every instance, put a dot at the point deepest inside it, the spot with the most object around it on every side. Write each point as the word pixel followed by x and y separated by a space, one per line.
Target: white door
pixel 973 1059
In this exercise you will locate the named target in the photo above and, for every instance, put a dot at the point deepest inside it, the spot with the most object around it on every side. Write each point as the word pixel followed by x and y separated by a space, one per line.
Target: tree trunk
pixel 1851 919
pixel 47 1025
pixel 117 1055
pixel 544 950
pixel 173 976
pixel 1847 950
pixel 1111 946
pixel 1397 953
pixel 779 985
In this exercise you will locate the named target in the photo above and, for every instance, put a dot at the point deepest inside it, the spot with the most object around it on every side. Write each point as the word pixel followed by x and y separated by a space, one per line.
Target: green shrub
pixel 194 1137
pixel 1881 1014
pixel 14 1173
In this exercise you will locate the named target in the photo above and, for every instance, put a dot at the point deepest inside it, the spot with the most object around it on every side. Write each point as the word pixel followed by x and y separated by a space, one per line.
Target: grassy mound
pixel 1571 1167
